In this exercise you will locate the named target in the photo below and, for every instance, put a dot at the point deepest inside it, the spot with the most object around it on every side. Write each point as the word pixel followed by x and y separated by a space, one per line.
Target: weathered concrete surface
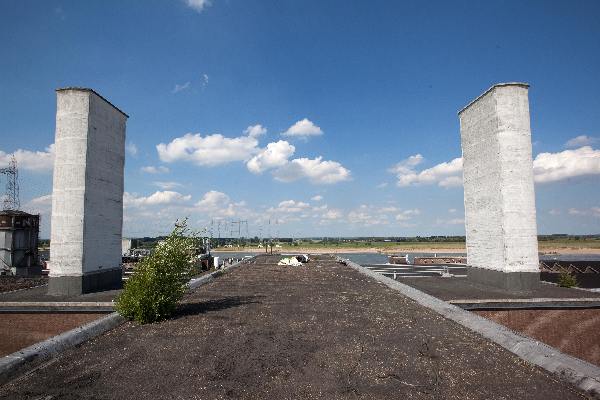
pixel 500 214
pixel 87 195
pixel 320 331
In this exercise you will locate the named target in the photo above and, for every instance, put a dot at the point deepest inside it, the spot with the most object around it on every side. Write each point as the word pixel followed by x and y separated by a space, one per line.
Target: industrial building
pixel 19 233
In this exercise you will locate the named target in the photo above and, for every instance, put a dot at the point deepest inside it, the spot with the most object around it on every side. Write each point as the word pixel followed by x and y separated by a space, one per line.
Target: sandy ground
pixel 400 249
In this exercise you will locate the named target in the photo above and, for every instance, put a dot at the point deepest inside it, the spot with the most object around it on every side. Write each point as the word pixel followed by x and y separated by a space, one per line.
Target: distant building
pixel 19 233
pixel 126 245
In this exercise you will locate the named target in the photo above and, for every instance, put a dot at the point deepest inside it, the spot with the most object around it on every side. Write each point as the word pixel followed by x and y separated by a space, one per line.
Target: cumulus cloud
pixel 446 174
pixel 333 214
pixel 179 88
pixel 581 140
pixel 407 214
pixel 198 5
pixel 213 150
pixel 317 198
pixel 166 197
pixel 289 207
pixel 167 185
pixel 217 204
pixel 213 199
pixel 255 130
pixel 315 170
pixel 210 150
pixel 34 161
pixel 551 167
pixel 275 155
pixel 303 128
pixel 369 215
pixel 547 167
pixel 131 149
pixel 364 215
pixel 155 170
pixel 39 205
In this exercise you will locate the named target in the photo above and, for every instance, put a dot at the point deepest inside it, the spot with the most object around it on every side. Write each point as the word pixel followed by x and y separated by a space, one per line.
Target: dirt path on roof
pixel 320 331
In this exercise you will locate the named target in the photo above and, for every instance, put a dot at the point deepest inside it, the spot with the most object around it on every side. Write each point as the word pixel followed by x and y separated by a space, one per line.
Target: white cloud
pixel 554 211
pixel 210 150
pixel 363 216
pixel 407 214
pixel 551 167
pixel 369 215
pixel 289 207
pixel 131 149
pixel 547 167
pixel 317 198
pixel 178 88
pixel 166 197
pixel 34 161
pixel 204 80
pixel 274 155
pixel 39 205
pixel 155 170
pixel 213 199
pixel 592 211
pixel 332 214
pixel 446 174
pixel 407 165
pixel 255 130
pixel 581 140
pixel 382 185
pixel 217 204
pixel 451 221
pixel 198 5
pixel 303 128
pixel 167 185
pixel 315 170
pixel 452 210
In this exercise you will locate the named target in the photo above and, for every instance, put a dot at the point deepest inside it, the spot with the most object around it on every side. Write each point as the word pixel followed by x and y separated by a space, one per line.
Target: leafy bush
pixel 158 283
pixel 567 280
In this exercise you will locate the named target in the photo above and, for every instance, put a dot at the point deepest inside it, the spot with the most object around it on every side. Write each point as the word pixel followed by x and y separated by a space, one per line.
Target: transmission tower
pixel 11 195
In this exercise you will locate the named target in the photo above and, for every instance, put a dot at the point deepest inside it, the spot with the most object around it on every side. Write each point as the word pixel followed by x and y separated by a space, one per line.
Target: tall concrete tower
pixel 87 194
pixel 500 218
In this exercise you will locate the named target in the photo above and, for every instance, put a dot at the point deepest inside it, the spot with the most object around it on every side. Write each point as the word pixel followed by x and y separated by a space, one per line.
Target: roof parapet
pixel 522 84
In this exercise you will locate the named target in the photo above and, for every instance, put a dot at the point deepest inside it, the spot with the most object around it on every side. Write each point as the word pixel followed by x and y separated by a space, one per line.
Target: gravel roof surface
pixel 319 331
pixel 462 289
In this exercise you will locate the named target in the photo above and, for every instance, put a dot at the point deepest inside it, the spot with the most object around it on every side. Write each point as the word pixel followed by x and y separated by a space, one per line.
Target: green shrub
pixel 567 280
pixel 159 281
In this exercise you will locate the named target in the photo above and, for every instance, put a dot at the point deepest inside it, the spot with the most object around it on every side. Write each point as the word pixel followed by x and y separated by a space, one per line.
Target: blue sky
pixel 358 100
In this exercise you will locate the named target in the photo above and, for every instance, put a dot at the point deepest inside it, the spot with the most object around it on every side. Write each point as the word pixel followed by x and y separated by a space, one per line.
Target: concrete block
pixel 500 215
pixel 87 196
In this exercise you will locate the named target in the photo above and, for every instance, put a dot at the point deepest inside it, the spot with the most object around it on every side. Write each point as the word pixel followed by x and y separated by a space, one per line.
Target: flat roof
pixel 492 88
pixel 82 89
